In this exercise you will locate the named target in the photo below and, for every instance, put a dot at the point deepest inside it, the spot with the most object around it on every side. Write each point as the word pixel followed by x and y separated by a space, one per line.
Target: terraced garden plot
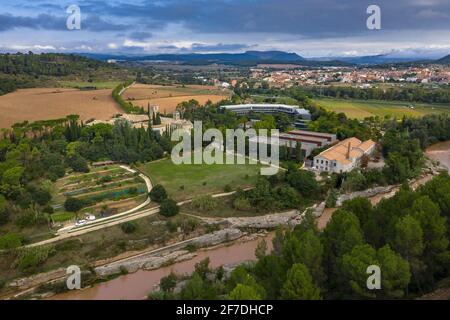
pixel 109 187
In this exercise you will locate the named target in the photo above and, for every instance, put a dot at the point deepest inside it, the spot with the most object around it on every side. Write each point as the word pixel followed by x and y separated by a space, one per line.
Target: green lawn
pixel 186 181
pixel 361 109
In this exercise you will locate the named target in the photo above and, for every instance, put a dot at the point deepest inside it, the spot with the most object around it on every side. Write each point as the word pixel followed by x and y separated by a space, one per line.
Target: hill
pixel 208 58
pixel 248 58
pixel 40 70
pixel 444 60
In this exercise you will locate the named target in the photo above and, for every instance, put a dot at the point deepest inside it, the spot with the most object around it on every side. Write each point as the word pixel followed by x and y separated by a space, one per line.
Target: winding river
pixel 137 285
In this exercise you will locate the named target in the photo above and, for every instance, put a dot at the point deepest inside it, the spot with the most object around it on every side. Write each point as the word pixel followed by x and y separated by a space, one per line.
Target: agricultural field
pixel 168 97
pixel 361 109
pixel 186 181
pixel 104 190
pixel 52 103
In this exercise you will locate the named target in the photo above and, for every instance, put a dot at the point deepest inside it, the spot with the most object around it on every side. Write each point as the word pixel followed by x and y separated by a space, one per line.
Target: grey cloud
pixel 140 35
pixel 51 22
pixel 305 17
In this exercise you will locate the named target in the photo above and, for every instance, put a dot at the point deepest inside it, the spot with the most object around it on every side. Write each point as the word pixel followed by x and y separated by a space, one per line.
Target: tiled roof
pixel 339 151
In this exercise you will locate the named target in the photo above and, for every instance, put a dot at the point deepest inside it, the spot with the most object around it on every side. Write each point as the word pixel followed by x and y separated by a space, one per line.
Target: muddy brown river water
pixel 137 285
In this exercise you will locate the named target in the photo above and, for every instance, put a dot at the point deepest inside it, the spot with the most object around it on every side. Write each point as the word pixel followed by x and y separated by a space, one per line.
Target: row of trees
pixel 49 64
pixel 128 107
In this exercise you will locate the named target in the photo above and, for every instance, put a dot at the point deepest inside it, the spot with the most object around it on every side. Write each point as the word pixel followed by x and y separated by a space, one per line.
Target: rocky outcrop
pixel 270 221
pixel 154 260
pixel 318 210
pixel 147 261
pixel 363 194
pixel 217 237
pixel 24 283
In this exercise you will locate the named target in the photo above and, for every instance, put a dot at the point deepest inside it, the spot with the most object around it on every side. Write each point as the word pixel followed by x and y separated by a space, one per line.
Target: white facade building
pixel 344 156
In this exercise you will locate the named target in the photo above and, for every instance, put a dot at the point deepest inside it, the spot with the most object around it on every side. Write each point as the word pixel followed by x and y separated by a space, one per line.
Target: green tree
pixel 240 276
pixel 362 209
pixel 340 236
pixel 304 181
pixel 169 208
pixel 11 180
pixel 168 283
pixel 409 238
pixel 354 181
pixel 128 227
pixel 353 270
pixel 73 204
pixel 307 250
pixel 41 197
pixel 434 227
pixel 395 273
pixel 194 288
pixel 244 292
pixel 78 164
pixel 158 193
pixel 299 285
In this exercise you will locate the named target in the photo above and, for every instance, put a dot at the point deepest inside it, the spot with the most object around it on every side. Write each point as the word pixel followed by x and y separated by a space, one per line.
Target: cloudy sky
pixel 311 28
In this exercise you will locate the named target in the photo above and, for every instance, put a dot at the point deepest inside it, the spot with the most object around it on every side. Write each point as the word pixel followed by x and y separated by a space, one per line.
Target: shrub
pixel 48 209
pixel 168 283
pixel 331 200
pixel 41 197
pixel 242 204
pixel 227 188
pixel 4 213
pixel 158 193
pixel 128 227
pixel 171 226
pixel 73 204
pixel 204 203
pixel 10 241
pixel 106 179
pixel 169 208
pixel 33 257
pixel 78 164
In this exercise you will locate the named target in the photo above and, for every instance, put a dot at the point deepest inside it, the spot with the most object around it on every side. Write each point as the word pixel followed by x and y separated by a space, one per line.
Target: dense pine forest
pixel 407 236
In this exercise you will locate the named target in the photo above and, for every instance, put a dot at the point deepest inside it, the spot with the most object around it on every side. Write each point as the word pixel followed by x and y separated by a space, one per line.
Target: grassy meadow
pixel 361 109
